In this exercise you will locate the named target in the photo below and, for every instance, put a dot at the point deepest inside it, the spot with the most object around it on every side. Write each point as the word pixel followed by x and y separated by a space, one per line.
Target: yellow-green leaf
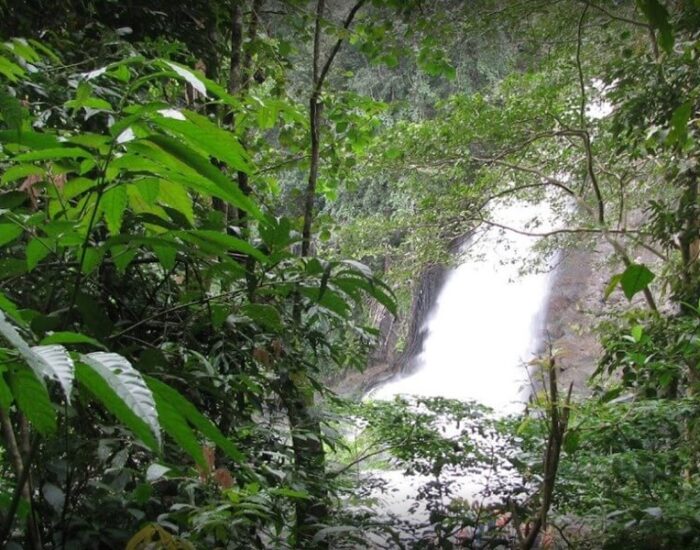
pixel 113 205
pixel 21 171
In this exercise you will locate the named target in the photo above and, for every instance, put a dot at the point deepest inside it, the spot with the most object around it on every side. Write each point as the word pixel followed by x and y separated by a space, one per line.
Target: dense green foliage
pixel 204 208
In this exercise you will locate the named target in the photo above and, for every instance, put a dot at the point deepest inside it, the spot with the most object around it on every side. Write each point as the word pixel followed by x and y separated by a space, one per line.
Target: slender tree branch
pixel 604 231
pixel 22 467
pixel 161 313
pixel 564 132
pixel 549 180
pixel 316 60
pixel 320 78
pixel 315 110
pixel 282 163
pixel 562 231
pixel 582 85
pixel 614 16
pixel 559 420
pixel 582 120
pixel 346 467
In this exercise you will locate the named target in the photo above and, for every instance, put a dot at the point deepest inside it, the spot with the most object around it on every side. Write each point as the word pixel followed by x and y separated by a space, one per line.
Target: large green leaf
pixel 35 140
pixel 206 135
pixel 66 337
pixel 657 14
pixel 188 411
pixel 176 427
pixel 202 166
pixel 10 70
pixel 33 399
pixel 43 48
pixel 92 141
pixel 220 243
pixel 113 205
pixel 188 75
pixel 612 285
pixel 99 387
pixel 57 153
pixel 6 397
pixel 197 80
pixel 11 111
pixel 9 232
pixel 21 48
pixel 265 315
pixel 679 125
pixel 148 158
pixel 58 365
pixel 11 309
pixel 37 250
pixel 635 279
pixel 174 195
pixel 127 383
pixel 277 233
pixel 350 283
pixel 46 361
pixel 328 299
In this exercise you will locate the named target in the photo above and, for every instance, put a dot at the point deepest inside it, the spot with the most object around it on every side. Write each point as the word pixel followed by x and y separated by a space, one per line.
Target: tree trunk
pixel 238 82
pixel 21 466
pixel 559 420
pixel 688 244
pixel 309 458
pixel 298 397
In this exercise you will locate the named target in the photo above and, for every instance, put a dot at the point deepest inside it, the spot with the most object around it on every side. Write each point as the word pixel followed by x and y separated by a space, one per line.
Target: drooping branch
pixel 615 16
pixel 564 132
pixel 362 458
pixel 554 232
pixel 579 69
pixel 605 231
pixel 546 179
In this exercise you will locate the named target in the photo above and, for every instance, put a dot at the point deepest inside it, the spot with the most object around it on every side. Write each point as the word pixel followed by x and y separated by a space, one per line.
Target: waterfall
pixel 486 324
pixel 484 329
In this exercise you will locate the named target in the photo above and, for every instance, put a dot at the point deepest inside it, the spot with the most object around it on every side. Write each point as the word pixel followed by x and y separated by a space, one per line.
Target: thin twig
pixel 22 479
pixel 616 17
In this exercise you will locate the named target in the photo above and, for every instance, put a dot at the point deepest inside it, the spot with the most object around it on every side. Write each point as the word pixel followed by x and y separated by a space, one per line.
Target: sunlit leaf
pixel 51 362
pixel 127 383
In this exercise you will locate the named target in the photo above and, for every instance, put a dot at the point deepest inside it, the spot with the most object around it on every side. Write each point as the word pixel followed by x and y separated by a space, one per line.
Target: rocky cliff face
pixel 576 306
pixel 573 309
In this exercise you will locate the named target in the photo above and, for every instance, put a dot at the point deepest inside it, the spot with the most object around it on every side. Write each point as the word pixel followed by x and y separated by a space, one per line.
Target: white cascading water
pixel 485 325
pixel 484 329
